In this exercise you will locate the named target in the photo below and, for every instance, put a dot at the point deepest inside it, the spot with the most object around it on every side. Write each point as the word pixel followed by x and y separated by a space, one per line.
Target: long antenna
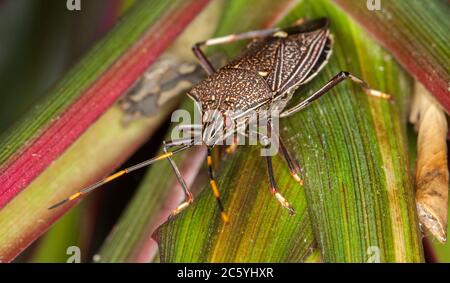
pixel 118 174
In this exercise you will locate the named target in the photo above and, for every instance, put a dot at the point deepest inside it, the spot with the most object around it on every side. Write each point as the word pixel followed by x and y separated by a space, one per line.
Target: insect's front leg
pixel 215 189
pixel 233 146
pixel 340 77
pixel 273 185
pixel 187 192
pixel 292 163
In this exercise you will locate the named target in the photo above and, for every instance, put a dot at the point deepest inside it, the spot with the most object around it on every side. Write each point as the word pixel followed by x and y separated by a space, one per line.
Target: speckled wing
pixel 288 61
pixel 270 66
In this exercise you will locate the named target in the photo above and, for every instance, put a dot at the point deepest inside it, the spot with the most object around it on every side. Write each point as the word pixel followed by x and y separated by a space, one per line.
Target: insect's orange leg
pixel 216 192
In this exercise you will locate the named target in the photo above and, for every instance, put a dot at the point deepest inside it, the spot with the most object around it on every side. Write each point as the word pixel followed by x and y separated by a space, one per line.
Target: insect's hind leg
pixel 206 64
pixel 340 77
pixel 301 25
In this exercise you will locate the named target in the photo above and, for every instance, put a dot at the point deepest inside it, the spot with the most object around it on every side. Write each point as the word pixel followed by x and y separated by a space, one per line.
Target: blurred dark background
pixel 40 40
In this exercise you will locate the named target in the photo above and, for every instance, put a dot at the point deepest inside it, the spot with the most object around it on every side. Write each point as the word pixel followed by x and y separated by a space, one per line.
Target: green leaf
pixel 65 233
pixel 440 250
pixel 130 240
pixel 359 193
pixel 259 231
pixel 27 216
pixel 417 34
pixel 82 75
pixel 49 154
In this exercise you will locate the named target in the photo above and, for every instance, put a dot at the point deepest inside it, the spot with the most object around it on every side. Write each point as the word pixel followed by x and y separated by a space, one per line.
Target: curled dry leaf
pixel 431 167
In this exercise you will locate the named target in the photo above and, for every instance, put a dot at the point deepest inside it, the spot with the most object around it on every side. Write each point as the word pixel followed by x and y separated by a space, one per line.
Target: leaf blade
pixel 87 91
pixel 39 153
pixel 359 210
pixel 416 32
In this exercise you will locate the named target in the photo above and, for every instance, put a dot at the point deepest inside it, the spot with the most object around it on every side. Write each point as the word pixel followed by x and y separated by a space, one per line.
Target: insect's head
pixel 216 127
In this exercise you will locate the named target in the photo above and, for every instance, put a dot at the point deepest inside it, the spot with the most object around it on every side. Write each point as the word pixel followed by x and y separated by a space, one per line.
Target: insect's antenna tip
pixel 58 204
pixel 72 197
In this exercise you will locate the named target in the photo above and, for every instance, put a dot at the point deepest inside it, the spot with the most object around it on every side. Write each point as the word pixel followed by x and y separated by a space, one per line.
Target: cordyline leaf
pixel 358 189
pixel 32 151
pixel 65 233
pixel 130 240
pixel 417 34
pixel 260 230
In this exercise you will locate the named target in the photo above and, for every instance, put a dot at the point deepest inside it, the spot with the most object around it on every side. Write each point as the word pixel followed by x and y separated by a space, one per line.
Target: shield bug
pixel 264 77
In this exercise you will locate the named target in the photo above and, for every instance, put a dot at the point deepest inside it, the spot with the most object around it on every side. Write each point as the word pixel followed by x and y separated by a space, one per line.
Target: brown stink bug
pixel 264 77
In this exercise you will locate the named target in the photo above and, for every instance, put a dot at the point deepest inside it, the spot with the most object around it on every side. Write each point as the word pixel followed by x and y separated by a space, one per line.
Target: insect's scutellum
pixel 264 77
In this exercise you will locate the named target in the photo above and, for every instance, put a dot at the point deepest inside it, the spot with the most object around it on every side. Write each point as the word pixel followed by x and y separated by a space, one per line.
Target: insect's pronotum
pixel 264 77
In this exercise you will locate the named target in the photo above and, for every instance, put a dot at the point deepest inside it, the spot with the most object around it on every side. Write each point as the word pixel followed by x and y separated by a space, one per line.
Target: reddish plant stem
pixel 61 133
